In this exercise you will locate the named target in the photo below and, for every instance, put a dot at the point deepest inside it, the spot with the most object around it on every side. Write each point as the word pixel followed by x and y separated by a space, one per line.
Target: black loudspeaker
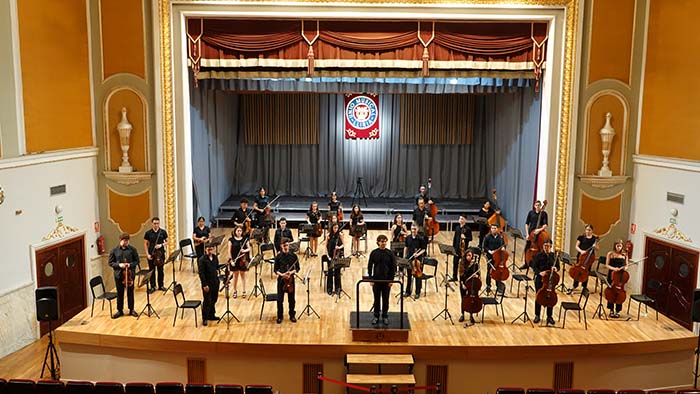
pixel 696 305
pixel 47 303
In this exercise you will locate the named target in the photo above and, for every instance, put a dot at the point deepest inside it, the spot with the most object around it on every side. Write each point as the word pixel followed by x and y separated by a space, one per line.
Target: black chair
pixel 686 391
pixel 496 301
pixel 661 392
pixel 652 285
pixel 540 391
pixel 185 254
pixel 267 297
pixel 139 388
pixel 268 254
pixel 49 387
pixel 20 386
pixel 199 388
pixel 601 391
pixel 192 304
pixel 429 262
pixel 109 388
pixel 3 382
pixel 510 390
pixel 576 306
pixel 630 391
pixel 79 387
pixel 258 389
pixel 170 388
pixel 229 389
pixel 103 295
pixel 140 274
pixel 571 391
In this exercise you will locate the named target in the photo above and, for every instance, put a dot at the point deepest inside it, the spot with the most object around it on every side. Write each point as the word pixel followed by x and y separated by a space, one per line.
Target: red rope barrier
pixel 352 386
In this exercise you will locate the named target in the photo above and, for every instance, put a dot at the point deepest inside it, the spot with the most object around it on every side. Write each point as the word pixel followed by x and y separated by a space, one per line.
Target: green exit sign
pixel 672 220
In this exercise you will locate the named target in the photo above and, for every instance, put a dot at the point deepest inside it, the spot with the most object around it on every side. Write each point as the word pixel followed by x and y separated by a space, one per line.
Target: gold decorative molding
pixel 603 182
pixel 166 88
pixel 672 232
pixel 60 231
pixel 128 178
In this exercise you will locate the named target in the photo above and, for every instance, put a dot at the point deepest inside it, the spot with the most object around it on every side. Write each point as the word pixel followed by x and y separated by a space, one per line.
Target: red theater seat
pixel 50 387
pixel 229 389
pixel 630 391
pixel 258 389
pixel 540 391
pixel 109 388
pixel 20 386
pixel 571 391
pixel 78 387
pixel 170 388
pixel 510 390
pixel 601 391
pixel 199 388
pixel 139 388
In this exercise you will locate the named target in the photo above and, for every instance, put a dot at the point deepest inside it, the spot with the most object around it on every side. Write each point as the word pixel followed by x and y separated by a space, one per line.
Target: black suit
pixel 209 276
pixel 457 245
pixel 117 256
pixel 381 266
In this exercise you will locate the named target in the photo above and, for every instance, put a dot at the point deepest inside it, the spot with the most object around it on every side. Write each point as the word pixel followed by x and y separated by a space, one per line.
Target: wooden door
pixel 63 266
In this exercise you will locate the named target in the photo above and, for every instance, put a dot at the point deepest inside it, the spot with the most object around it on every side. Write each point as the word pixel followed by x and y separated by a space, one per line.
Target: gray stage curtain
pixel 503 155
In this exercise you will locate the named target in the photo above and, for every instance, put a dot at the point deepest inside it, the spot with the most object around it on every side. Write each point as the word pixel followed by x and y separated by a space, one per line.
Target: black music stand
pixel 600 310
pixel 148 309
pixel 306 229
pixel 445 312
pixel 525 316
pixel 228 316
pixel 255 263
pixel 342 263
pixel 447 250
pixel 216 242
pixel 359 192
pixel 402 265
pixel 566 260
pixel 516 235
pixel 171 259
pixel 308 309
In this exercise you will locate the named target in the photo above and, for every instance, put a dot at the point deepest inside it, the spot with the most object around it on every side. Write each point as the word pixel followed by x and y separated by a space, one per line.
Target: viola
pixel 128 278
pixel 288 286
pixel 416 268
pixel 581 269
pixel 499 270
pixel 243 260
pixel 471 302
pixel 340 214
pixel 616 293
pixel 158 259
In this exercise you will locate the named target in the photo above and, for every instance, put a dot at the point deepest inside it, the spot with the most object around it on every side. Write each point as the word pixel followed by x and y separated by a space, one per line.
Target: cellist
pixel 531 224
pixel 492 243
pixel 541 263
pixel 616 260
pixel 584 242
pixel 467 267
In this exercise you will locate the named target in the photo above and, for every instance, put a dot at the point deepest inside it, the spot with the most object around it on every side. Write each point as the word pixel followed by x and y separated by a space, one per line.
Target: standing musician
pixel 531 225
pixel 121 258
pixel 286 265
pixel 492 243
pixel 200 235
pixel 414 241
pixel 422 195
pixel 399 231
pixel 282 232
pixel 616 260
pixel 485 212
pixel 381 266
pixel 240 248
pixel 357 220
pixel 261 201
pixel 334 249
pixel 265 223
pixel 584 242
pixel 462 233
pixel 155 241
pixel 420 215
pixel 241 217
pixel 209 278
pixel 542 262
pixel 313 216
pixel 467 267
pixel 335 207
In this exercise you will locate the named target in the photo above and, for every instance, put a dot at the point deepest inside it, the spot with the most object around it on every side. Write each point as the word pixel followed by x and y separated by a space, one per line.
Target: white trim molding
pixel 667 162
pixel 42 158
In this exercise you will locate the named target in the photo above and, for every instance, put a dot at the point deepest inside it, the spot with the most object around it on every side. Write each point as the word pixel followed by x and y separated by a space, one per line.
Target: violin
pixel 499 269
pixel 288 286
pixel 497 219
pixel 158 257
pixel 536 240
pixel 340 214
pixel 547 295
pixel 581 269
pixel 431 225
pixel 128 278
pixel 416 263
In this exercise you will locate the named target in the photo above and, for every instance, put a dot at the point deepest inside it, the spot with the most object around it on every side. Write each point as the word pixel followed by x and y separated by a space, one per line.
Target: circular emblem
pixel 361 112
pixel 2 195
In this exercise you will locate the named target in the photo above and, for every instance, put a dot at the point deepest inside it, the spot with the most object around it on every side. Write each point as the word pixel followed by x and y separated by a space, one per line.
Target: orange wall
pixel 129 212
pixel 136 116
pixel 122 37
pixel 602 214
pixel 670 114
pixel 53 41
pixel 611 40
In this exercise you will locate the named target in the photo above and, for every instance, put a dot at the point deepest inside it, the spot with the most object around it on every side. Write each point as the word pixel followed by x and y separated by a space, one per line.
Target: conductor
pixel 381 266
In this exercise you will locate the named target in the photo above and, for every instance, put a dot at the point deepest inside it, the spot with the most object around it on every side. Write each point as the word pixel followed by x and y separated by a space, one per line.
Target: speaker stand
pixel 52 361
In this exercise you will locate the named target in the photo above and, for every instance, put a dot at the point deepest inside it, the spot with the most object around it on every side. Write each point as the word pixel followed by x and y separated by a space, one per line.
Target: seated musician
pixel 584 242
pixel 200 235
pixel 492 243
pixel 541 263
pixel 420 215
pixel 616 260
pixel 313 217
pixel 286 265
pixel 261 201
pixel 155 242
pixel 334 249
pixel 241 217
pixel 240 249
pixel 462 233
pixel 468 266
pixel 121 258
pixel 414 242
pixel 536 221
pixel 282 232
pixel 485 212
pixel 398 231
pixel 357 223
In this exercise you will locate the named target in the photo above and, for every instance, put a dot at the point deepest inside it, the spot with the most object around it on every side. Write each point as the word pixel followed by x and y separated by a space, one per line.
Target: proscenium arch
pixel 558 85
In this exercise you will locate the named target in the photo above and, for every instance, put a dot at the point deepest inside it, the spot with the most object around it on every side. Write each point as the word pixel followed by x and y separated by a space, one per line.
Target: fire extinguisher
pixel 100 244
pixel 629 247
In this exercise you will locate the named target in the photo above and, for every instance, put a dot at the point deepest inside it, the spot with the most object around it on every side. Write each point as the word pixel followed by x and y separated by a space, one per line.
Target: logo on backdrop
pixel 361 116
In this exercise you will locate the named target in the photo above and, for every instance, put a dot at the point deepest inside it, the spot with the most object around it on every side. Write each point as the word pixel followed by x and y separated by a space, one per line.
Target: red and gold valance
pixel 284 44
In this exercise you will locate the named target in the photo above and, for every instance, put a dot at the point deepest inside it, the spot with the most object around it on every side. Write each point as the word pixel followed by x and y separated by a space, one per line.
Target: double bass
pixel 581 269
pixel 431 225
pixel 536 240
pixel 547 295
pixel 497 219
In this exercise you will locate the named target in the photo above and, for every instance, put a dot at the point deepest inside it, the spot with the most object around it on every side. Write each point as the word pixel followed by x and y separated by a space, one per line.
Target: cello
pixel 536 240
pixel 497 219
pixel 471 302
pixel 431 225
pixel 581 269
pixel 616 293
pixel 499 268
pixel 547 295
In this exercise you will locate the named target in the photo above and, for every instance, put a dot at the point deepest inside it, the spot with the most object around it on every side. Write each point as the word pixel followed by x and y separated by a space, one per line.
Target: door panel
pixel 656 273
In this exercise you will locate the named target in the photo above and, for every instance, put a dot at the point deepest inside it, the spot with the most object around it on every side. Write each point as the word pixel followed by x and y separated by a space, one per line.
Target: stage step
pixel 389 361
pixel 380 379
pixel 403 359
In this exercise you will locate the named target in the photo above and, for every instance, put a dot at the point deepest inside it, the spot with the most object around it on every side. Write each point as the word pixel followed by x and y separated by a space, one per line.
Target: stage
pixel 611 353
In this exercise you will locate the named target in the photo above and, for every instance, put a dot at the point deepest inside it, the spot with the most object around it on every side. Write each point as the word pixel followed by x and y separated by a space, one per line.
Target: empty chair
pixel 429 262
pixel 630 391
pixel 267 297
pixel 79 387
pixel 258 389
pixel 576 306
pixel 109 388
pixel 170 388
pixel 138 388
pixel 601 391
pixel 184 304
pixel 540 391
pixel 199 388
pixel 187 252
pixel 20 386
pixel 103 295
pixel 571 391
pixel 229 389
pixel 653 286
pixel 661 392
pixel 49 387
pixel 496 301
pixel 510 390
pixel 268 254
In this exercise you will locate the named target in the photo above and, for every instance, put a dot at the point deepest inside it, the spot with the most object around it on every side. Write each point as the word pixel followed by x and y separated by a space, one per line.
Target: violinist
pixel 485 212
pixel 492 243
pixel 335 207
pixel 286 265
pixel 420 215
pixel 282 232
pixel 462 234
pixel 207 267
pixel 616 260
pixel 313 217
pixel 414 241
pixel 200 235
pixel 467 267
pixel 399 231
pixel 241 216
pixel 584 242
pixel 121 258
pixel 240 249
pixel 531 224
pixel 541 263
pixel 261 201
pixel 334 249
pixel 357 221
pixel 155 241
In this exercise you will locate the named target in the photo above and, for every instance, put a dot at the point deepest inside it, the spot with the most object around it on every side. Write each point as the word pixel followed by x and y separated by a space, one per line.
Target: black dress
pixel 315 218
pixel 236 245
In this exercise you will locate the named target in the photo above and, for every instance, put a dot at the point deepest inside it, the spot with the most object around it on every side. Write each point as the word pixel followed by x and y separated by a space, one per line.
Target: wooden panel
pixel 671 80
pixel 136 115
pixel 406 359
pixel 603 214
pixel 380 379
pixel 612 28
pixel 310 378
pixel 596 120
pixel 563 375
pixel 197 370
pixel 129 212
pixel 122 37
pixel 437 374
pixel 55 74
